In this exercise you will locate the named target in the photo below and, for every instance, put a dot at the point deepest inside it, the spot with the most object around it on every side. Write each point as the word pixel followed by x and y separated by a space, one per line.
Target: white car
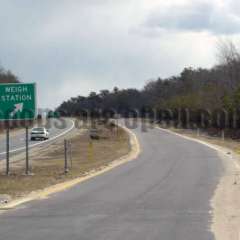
pixel 39 133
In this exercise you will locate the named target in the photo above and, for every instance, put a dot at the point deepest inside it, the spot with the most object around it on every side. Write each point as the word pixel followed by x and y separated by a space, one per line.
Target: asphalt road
pixel 163 195
pixel 18 139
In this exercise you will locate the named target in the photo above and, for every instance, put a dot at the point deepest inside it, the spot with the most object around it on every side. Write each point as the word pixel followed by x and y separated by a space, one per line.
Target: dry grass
pixel 226 142
pixel 48 164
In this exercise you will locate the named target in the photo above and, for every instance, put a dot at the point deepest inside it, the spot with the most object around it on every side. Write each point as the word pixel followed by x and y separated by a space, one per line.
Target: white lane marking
pixel 201 142
pixel 41 143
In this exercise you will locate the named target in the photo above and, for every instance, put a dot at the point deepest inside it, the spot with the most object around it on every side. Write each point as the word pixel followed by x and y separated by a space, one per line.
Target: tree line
pixel 196 90
pixel 6 76
pixel 206 96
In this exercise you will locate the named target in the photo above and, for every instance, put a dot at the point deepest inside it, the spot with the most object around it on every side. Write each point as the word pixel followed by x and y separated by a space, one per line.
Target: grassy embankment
pixel 48 164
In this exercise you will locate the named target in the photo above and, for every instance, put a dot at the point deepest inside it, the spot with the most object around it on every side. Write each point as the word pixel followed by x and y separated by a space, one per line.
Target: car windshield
pixel 38 129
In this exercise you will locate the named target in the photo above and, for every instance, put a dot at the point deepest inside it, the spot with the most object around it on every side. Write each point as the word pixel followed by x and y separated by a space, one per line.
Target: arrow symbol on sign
pixel 18 108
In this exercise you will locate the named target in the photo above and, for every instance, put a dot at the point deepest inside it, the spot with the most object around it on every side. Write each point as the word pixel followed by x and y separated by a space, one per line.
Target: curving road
pixel 56 128
pixel 163 195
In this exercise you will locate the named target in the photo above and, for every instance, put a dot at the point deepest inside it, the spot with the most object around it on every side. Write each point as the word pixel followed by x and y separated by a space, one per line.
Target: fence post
pixel 65 156
pixel 90 150
pixel 223 135
pixel 70 153
pixel 198 132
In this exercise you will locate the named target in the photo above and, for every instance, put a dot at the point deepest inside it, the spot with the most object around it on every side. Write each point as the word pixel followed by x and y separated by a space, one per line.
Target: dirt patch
pixel 48 163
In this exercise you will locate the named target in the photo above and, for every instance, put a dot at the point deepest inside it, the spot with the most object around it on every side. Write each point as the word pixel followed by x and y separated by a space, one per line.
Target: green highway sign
pixel 18 101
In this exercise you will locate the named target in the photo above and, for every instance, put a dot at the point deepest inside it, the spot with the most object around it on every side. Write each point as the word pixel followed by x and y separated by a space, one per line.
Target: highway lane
pixel 162 195
pixel 17 139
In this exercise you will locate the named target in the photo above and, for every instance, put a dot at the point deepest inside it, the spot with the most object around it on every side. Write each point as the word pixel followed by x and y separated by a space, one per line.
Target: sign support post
pixel 7 151
pixel 27 172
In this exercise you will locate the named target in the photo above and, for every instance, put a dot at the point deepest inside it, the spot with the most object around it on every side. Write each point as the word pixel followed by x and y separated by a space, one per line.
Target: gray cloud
pixel 73 47
pixel 196 17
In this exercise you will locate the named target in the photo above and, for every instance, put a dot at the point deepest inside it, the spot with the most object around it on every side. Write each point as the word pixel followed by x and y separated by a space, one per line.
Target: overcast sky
pixel 73 47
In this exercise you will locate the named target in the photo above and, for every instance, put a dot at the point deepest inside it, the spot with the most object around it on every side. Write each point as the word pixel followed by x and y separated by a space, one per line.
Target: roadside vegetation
pixel 7 76
pixel 47 164
pixel 194 89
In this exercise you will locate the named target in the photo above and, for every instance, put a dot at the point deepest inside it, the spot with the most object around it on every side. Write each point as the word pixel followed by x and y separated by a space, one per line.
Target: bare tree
pixel 7 76
pixel 229 61
pixel 227 52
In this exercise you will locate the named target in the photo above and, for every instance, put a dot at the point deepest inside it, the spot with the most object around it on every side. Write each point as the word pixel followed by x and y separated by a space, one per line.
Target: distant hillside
pixel 7 76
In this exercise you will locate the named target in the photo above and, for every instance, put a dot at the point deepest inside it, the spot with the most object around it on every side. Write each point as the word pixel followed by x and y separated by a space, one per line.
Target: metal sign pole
pixel 7 151
pixel 27 152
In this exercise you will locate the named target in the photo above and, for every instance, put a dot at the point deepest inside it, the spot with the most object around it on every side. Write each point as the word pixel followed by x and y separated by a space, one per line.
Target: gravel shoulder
pixel 226 201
